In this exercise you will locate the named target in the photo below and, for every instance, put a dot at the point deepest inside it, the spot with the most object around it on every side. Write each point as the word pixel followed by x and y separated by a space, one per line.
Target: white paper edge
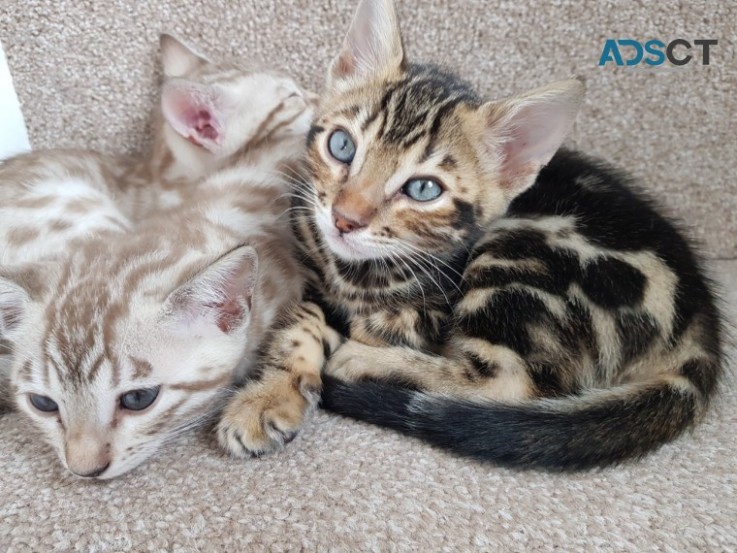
pixel 13 132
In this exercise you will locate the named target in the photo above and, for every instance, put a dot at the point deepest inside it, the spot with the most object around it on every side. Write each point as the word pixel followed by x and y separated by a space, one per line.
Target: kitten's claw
pixel 265 416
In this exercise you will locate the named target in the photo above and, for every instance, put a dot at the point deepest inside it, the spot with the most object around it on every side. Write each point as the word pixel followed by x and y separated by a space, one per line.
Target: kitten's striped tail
pixel 597 429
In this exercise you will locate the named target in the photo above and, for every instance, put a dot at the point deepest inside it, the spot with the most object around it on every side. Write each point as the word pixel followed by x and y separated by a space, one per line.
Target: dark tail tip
pixel 604 429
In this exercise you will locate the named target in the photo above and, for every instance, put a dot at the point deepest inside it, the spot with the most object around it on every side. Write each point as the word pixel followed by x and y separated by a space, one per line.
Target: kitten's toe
pixel 241 442
pixel 265 416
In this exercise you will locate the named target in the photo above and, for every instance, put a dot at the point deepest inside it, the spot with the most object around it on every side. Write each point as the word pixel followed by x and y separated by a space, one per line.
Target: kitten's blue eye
pixel 341 146
pixel 138 400
pixel 422 190
pixel 43 403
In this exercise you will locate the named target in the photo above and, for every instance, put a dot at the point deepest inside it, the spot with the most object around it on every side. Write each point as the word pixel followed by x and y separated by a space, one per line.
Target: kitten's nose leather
pixel 344 223
pixel 87 455
pixel 93 473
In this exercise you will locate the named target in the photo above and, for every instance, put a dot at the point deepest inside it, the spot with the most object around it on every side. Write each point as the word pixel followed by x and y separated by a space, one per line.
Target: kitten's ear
pixel 373 45
pixel 14 301
pixel 218 299
pixel 522 133
pixel 197 112
pixel 178 59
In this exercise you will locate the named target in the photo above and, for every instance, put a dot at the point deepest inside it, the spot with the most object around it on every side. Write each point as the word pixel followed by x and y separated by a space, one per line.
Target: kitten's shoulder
pixel 55 163
pixel 52 156
pixel 574 183
pixel 572 170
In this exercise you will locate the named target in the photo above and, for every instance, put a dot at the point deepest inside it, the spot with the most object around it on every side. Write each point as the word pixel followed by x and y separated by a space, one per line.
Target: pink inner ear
pixel 532 137
pixel 220 296
pixel 203 125
pixel 229 315
pixel 193 114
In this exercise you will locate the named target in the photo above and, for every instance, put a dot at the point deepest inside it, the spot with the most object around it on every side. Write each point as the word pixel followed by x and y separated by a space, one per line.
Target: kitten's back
pixel 51 199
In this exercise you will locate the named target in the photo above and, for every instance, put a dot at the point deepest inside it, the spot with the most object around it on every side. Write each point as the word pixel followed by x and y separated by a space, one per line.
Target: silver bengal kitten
pixel 125 335
pixel 50 200
pixel 503 298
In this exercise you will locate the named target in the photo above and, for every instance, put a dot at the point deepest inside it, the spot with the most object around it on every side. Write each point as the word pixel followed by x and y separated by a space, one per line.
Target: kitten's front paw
pixel 265 416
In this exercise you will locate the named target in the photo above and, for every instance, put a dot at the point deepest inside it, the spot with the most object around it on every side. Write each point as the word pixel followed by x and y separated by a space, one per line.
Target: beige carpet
pixel 83 71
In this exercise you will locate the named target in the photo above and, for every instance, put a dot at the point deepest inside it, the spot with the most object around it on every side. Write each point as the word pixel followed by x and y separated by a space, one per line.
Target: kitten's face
pixel 110 368
pixel 213 111
pixel 406 160
pixel 391 176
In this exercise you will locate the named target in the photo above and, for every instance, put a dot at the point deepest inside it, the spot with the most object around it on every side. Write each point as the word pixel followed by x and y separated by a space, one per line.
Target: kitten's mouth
pixel 347 246
pixel 344 246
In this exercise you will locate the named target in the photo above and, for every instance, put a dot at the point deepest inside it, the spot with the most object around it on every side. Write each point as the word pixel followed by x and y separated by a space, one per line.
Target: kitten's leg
pixel 474 369
pixel 269 410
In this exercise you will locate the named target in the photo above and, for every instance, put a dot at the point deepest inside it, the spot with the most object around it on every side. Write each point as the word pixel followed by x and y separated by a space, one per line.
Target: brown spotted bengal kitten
pixel 503 299
pixel 132 334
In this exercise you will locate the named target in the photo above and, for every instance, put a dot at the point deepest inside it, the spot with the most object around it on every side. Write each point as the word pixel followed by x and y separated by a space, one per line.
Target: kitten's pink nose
pixel 345 223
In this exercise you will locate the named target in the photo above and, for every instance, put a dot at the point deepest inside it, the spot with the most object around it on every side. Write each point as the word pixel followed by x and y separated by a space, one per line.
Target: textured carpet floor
pixel 345 486
pixel 83 71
